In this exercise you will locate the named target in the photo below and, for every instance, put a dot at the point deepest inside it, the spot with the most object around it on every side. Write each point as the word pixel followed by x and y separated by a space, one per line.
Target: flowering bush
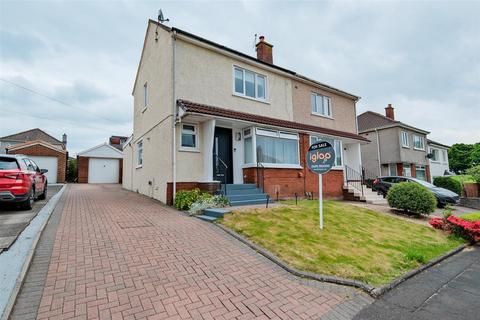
pixel 463 228
pixel 202 204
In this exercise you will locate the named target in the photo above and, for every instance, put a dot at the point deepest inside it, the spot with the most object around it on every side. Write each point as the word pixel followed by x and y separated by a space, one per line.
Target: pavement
pixel 108 253
pixel 449 290
pixel 13 220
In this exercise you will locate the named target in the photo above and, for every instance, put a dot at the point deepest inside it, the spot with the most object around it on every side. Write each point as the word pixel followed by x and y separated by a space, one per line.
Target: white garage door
pixel 49 163
pixel 102 170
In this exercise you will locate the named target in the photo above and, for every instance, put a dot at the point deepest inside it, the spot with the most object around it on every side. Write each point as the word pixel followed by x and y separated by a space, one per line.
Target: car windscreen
pixel 8 163
pixel 424 183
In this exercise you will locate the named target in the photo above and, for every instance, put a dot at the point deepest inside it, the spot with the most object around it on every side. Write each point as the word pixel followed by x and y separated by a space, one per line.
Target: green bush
pixel 185 199
pixel 449 183
pixel 202 204
pixel 411 197
pixel 475 173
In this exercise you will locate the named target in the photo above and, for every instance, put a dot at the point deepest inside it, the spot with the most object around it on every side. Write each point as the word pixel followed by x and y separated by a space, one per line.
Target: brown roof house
pixel 47 152
pixel 207 116
pixel 396 148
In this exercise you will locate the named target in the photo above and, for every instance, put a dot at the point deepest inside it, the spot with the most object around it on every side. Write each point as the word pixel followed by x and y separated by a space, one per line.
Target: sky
pixel 69 66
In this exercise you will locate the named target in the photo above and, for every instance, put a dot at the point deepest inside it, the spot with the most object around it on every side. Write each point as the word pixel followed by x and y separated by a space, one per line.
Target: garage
pixel 49 163
pixel 100 164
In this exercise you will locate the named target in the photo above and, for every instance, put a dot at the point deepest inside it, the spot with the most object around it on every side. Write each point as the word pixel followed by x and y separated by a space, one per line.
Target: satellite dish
pixel 161 18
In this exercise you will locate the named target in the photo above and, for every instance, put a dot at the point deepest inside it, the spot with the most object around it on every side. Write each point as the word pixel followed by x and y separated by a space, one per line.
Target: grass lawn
pixel 355 243
pixel 474 216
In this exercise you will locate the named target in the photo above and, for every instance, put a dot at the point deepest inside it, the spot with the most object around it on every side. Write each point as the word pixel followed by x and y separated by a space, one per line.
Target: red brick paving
pixel 119 255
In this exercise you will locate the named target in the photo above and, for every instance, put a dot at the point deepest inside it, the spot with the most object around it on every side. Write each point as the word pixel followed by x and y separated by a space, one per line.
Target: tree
pixel 460 157
pixel 475 155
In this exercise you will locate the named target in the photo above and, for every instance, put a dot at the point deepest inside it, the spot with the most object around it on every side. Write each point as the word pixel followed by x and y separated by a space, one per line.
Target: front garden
pixel 356 243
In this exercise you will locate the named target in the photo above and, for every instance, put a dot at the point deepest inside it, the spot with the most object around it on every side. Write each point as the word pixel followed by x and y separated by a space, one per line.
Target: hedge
pixel 449 183
pixel 411 197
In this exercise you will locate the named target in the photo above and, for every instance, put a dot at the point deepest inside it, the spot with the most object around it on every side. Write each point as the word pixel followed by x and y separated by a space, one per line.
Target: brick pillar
pixel 399 169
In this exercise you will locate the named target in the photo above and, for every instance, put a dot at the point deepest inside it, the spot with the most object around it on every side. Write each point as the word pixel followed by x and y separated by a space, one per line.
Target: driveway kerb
pixel 35 230
pixel 374 292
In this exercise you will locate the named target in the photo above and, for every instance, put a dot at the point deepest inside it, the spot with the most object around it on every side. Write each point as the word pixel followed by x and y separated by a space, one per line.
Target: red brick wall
pixel 290 181
pixel 399 169
pixel 414 170
pixel 427 173
pixel 204 186
pixel 39 150
pixel 82 169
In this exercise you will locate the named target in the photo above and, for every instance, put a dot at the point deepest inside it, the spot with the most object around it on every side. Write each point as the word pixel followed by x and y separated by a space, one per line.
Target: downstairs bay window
pixel 272 148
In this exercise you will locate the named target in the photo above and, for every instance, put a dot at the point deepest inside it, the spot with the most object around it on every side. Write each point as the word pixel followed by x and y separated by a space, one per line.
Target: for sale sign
pixel 321 157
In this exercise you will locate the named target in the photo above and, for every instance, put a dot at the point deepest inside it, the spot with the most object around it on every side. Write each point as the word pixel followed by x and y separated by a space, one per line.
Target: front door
pixel 222 155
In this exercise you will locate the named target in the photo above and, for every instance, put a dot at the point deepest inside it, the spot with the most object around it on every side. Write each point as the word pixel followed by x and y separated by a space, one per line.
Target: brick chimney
pixel 64 139
pixel 389 112
pixel 264 50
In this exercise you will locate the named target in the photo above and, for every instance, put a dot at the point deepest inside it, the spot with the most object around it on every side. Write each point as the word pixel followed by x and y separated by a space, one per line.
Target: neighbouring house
pixel 46 151
pixel 438 161
pixel 102 163
pixel 396 148
pixel 206 116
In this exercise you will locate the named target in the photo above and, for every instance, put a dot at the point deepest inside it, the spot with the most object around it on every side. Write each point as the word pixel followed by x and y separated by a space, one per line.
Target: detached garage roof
pixel 103 150
pixel 35 143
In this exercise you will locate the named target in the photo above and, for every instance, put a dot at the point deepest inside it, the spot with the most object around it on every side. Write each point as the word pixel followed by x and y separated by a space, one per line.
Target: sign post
pixel 320 159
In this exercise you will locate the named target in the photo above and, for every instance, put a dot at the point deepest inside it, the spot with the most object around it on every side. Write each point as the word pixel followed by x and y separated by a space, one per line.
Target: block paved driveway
pixel 119 255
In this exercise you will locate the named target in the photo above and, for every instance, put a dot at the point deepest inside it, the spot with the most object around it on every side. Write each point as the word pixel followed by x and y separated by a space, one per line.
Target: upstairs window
pixel 139 153
pixel 321 105
pixel 435 154
pixel 250 84
pixel 418 142
pixel 189 136
pixel 405 142
pixel 445 156
pixel 145 96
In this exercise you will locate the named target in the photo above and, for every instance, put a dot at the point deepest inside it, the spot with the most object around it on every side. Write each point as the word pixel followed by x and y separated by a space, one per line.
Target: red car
pixel 21 181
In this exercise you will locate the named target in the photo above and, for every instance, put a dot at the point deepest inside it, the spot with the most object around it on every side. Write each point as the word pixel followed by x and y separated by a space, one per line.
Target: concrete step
pixel 240 186
pixel 380 202
pixel 249 196
pixel 235 192
pixel 215 212
pixel 248 202
pixel 206 218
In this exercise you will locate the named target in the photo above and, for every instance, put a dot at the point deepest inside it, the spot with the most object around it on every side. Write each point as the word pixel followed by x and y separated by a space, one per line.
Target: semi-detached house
pixel 206 115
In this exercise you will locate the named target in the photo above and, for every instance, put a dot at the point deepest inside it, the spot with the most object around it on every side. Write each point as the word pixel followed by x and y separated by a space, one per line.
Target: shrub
pixel 185 199
pixel 475 173
pixel 214 202
pixel 466 229
pixel 449 183
pixel 411 197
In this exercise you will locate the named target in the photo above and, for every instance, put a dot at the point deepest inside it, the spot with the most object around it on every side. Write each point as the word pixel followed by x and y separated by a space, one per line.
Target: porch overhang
pixel 193 108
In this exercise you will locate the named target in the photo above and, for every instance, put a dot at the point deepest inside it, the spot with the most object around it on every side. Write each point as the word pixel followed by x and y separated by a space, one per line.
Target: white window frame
pixel 256 76
pixel 422 140
pixel 195 133
pixel 390 166
pixel 409 166
pixel 324 97
pixel 444 156
pixel 404 139
pixel 432 151
pixel 335 143
pixel 145 96
pixel 139 153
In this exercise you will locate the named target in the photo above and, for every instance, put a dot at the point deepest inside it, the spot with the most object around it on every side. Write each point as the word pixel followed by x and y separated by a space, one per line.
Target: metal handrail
pixel 260 165
pixel 368 177
pixel 354 179
pixel 218 159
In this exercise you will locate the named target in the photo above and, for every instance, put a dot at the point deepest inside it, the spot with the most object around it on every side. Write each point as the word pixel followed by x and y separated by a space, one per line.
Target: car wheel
pixel 43 196
pixel 27 204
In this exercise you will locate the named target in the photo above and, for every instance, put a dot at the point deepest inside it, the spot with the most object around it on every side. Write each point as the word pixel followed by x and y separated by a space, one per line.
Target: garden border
pixel 374 292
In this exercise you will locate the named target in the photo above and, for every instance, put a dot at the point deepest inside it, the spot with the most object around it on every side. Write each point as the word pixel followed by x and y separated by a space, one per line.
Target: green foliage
pixel 463 156
pixel 475 173
pixel 411 197
pixel 450 183
pixel 474 216
pixel 72 173
pixel 447 211
pixel 185 199
pixel 213 202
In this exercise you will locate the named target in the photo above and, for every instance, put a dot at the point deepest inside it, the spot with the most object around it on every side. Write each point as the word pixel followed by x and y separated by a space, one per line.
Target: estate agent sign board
pixel 320 159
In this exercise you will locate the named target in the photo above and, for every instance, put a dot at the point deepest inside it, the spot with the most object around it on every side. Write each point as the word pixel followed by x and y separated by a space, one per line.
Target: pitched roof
pixel 246 56
pixel 197 108
pixel 370 120
pixel 27 144
pixel 32 135
pixel 438 144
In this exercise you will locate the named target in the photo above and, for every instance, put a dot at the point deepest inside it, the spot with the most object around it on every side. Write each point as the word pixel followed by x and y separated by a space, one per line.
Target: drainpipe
pixel 174 120
pixel 378 155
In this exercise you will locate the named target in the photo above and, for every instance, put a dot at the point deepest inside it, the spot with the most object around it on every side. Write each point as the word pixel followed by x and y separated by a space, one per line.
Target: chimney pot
pixel 264 50
pixel 64 139
pixel 390 111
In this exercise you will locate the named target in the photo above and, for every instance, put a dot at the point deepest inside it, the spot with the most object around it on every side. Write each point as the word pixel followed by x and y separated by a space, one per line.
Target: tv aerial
pixel 160 19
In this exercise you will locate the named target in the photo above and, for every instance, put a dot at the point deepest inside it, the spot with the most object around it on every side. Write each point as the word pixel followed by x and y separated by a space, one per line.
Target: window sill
pixel 418 149
pixel 139 166
pixel 406 147
pixel 144 109
pixel 250 98
pixel 322 115
pixel 274 166
pixel 184 149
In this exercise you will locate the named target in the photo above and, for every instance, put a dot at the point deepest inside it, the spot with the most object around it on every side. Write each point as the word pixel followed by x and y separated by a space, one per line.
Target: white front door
pixel 49 163
pixel 103 170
